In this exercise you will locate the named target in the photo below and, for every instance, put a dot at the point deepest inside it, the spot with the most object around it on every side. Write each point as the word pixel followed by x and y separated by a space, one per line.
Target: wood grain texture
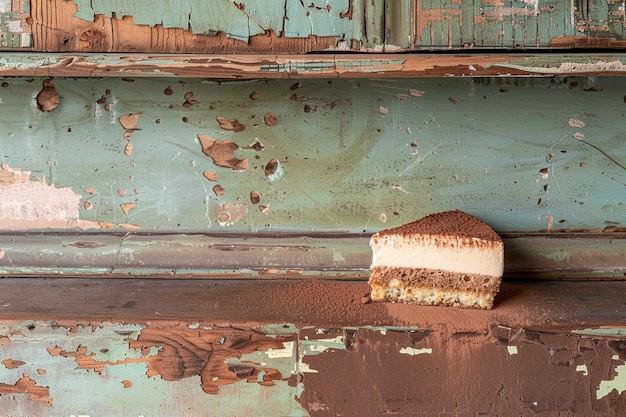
pixel 216 303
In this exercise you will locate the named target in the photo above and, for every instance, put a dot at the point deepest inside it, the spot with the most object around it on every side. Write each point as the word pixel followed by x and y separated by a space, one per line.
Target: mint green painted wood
pixel 293 18
pixel 359 155
pixel 15 33
pixel 76 391
pixel 406 24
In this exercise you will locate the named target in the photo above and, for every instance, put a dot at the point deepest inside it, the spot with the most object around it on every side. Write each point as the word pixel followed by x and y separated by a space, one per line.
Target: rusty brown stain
pixel 169 90
pixel 209 175
pixel 270 119
pixel 222 153
pixel 218 190
pixel 131 227
pixel 271 167
pixel 184 352
pixel 189 100
pixel 91 191
pixel 255 197
pixel 25 385
pixel 126 383
pixel 127 207
pixel 232 124
pixel 87 244
pixel 128 149
pixel 48 98
pixel 129 121
pixel 12 363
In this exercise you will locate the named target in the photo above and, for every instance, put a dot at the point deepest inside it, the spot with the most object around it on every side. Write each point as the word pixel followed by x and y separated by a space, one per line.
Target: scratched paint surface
pixel 351 155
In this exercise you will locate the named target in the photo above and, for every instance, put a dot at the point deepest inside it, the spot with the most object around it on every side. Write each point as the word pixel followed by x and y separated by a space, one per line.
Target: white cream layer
pixel 471 256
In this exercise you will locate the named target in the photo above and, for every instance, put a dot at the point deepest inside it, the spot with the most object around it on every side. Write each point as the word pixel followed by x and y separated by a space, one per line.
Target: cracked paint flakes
pixel 238 20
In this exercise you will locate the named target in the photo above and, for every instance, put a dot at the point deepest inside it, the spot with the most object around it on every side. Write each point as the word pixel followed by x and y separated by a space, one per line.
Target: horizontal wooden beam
pixel 563 306
pixel 234 66
pixel 527 256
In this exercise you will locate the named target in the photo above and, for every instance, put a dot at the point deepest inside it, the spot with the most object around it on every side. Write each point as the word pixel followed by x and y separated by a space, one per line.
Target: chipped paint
pixel 413 352
pixel 616 383
pixel 582 369
pixel 512 350
pixel 240 21
pixel 34 204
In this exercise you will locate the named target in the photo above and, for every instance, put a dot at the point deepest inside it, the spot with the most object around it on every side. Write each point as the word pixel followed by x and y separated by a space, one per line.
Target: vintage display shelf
pixel 187 195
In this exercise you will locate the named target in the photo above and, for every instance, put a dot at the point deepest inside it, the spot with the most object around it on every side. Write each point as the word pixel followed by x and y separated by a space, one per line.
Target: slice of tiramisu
pixel 448 258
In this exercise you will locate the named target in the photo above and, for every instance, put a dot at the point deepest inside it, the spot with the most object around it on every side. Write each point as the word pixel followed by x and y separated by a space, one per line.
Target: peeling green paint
pixel 453 147
pixel 605 332
pixel 292 19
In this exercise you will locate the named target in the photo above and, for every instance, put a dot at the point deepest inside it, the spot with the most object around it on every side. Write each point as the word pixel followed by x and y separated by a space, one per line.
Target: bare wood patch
pixel 25 385
pixel 185 352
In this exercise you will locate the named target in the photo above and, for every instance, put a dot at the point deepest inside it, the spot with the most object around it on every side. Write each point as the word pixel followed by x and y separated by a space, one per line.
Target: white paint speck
pixel 582 368
pixel 512 350
pixel 413 352
pixel 286 352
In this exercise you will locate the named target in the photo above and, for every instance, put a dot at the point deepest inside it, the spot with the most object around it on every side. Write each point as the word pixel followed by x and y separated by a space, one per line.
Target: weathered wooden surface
pixel 255 67
pixel 288 255
pixel 525 155
pixel 293 26
pixel 99 158
pixel 248 348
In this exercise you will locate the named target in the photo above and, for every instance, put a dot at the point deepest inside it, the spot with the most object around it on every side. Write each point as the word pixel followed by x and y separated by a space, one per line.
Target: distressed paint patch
pixel 29 204
pixel 222 153
pixel 26 385
pixel 414 352
pixel 48 99
pixel 618 383
pixel 185 352
pixel 238 20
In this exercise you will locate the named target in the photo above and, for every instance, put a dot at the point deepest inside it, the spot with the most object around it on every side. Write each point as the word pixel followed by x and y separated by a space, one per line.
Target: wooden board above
pixel 294 26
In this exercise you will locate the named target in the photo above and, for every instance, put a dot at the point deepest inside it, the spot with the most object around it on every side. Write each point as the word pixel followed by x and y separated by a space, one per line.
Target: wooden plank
pixel 74 346
pixel 585 307
pixel 582 256
pixel 250 66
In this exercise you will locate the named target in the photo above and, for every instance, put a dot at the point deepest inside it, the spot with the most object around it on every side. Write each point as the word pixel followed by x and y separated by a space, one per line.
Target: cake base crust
pixel 433 287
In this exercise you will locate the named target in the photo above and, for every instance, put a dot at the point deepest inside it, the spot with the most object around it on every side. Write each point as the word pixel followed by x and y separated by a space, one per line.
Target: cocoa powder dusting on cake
pixel 453 222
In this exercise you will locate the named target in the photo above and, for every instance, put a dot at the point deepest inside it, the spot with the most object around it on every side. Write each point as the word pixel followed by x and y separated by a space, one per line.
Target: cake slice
pixel 448 258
